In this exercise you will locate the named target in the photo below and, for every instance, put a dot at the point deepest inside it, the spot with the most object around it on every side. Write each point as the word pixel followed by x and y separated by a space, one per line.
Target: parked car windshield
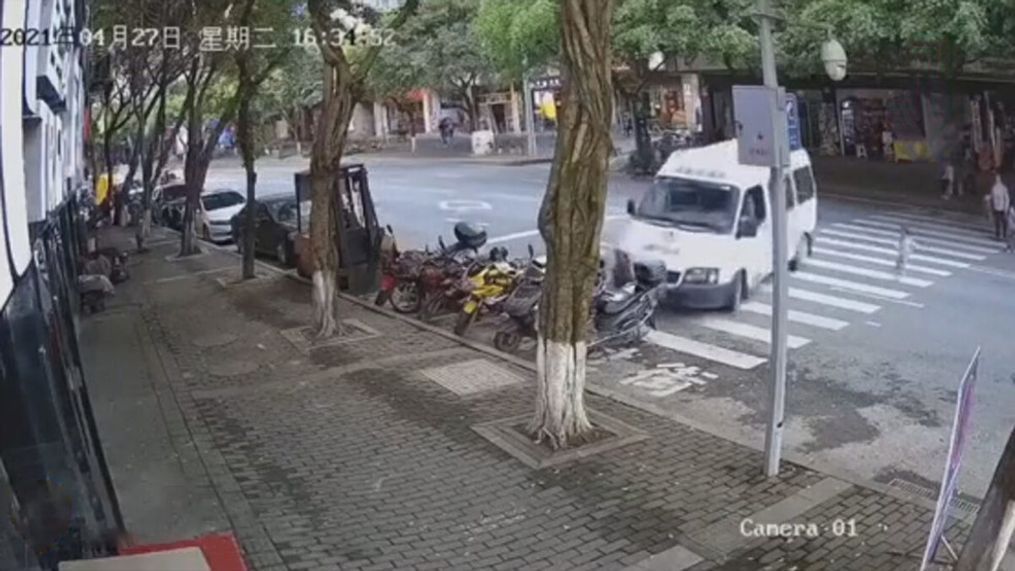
pixel 691 205
pixel 221 200
pixel 285 213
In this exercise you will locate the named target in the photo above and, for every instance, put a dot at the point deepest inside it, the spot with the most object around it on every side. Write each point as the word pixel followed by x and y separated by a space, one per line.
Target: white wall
pixel 11 78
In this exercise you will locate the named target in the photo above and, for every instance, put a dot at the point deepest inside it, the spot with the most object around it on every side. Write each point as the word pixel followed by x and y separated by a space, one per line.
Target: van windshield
pixel 689 204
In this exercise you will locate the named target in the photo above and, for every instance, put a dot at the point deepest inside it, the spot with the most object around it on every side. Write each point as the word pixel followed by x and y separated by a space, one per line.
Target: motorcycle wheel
pixel 431 307
pixel 464 321
pixel 406 298
pixel 507 340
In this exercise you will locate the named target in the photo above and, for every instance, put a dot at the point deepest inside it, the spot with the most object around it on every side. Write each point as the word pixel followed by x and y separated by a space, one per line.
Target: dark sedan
pixel 276 227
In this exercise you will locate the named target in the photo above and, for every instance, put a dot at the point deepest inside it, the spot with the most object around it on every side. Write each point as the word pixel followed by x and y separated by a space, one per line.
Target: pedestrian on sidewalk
pixel 1000 202
pixel 906 246
pixel 445 128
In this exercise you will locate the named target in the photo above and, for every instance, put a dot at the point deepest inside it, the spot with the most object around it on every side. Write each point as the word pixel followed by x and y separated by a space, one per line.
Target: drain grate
pixel 957 504
pixel 470 377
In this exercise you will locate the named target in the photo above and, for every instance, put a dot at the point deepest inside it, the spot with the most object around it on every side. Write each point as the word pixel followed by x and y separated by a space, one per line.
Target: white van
pixel 709 219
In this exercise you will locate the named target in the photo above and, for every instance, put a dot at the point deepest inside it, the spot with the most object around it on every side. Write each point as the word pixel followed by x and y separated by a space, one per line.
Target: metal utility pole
pixel 780 264
pixel 530 131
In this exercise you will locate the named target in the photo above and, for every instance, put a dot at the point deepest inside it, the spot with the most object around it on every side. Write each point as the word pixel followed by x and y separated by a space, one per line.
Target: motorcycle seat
pixel 616 303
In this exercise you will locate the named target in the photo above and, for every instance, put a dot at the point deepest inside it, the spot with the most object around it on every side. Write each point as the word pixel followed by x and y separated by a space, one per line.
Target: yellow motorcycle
pixel 492 286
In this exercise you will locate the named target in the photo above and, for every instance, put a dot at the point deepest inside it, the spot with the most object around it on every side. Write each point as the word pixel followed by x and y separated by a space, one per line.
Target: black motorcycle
pixel 620 316
pixel 627 315
pixel 521 307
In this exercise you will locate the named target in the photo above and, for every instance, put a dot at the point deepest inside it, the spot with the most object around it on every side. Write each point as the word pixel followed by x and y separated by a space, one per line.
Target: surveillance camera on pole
pixel 834 58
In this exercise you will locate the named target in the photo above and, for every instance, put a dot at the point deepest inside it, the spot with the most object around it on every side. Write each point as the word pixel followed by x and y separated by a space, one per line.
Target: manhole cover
pixel 214 340
pixel 470 377
pixel 233 368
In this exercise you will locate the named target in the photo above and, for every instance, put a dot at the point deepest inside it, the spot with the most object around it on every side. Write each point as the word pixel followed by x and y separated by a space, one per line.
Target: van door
pixel 794 226
pixel 807 201
pixel 756 251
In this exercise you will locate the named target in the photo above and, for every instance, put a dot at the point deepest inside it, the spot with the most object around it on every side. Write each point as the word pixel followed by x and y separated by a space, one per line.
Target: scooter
pixel 521 307
pixel 626 316
pixel 492 286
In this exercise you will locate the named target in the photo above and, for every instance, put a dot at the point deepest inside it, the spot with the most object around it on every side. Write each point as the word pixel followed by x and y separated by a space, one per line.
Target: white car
pixel 217 210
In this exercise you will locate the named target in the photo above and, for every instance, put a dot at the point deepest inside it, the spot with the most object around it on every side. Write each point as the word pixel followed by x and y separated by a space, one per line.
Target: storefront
pixel 547 103
pixel 885 124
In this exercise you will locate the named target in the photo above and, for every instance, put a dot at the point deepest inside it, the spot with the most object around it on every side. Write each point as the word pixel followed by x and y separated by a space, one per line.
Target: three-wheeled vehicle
pixel 359 233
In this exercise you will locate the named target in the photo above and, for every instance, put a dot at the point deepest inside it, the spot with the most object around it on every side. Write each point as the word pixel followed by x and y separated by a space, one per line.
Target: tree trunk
pixel 570 221
pixel 325 164
pixel 246 142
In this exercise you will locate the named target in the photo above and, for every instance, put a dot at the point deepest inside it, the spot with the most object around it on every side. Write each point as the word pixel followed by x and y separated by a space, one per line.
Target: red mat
pixel 220 550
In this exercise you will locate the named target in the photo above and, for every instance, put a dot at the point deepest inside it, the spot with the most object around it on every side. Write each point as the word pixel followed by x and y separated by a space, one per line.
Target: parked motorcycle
pixel 521 307
pixel 399 276
pixel 492 286
pixel 618 315
pixel 627 315
pixel 457 284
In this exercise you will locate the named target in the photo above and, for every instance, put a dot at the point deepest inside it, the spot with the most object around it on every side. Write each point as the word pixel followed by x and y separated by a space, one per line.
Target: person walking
pixel 1000 202
pixel 445 129
pixel 947 180
pixel 906 246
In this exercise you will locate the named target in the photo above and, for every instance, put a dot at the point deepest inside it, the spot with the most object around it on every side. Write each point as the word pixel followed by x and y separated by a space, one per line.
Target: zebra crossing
pixel 849 278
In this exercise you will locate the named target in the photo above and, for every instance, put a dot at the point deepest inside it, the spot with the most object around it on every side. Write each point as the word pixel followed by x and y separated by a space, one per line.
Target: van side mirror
pixel 630 207
pixel 748 227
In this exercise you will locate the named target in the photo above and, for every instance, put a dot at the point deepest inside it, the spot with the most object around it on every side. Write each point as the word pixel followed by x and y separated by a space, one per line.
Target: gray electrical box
pixel 759 135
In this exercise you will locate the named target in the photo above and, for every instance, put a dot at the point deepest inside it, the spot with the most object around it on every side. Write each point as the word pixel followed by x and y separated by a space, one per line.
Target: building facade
pixel 57 496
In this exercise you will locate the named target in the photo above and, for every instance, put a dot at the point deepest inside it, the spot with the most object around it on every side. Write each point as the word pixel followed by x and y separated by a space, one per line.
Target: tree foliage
pixel 519 35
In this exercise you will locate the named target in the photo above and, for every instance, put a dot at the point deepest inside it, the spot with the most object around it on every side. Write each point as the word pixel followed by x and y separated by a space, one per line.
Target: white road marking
pixel 762 334
pixel 527 233
pixel 994 272
pixel 873 323
pixel 919 231
pixel 833 301
pixel 464 205
pixel 881 298
pixel 935 223
pixel 920 239
pixel 892 242
pixel 850 285
pixel 891 252
pixel 705 350
pixel 877 261
pixel 798 316
pixel 189 275
pixel 874 274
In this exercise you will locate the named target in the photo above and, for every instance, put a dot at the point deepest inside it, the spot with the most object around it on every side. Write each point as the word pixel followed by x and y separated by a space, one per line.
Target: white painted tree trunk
pixel 560 388
pixel 325 290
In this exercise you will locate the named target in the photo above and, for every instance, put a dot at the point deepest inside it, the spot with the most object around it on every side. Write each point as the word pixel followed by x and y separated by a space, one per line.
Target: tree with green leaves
pixel 518 36
pixel 720 30
pixel 345 69
pixel 571 220
pixel 253 69
pixel 447 50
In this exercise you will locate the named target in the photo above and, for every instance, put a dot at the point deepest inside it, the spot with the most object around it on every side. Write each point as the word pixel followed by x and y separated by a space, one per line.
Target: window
pixel 790 195
pixel 693 205
pixel 754 204
pixel 804 184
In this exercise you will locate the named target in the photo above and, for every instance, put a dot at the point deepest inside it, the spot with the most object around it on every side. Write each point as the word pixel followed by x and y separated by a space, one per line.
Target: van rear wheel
pixel 803 250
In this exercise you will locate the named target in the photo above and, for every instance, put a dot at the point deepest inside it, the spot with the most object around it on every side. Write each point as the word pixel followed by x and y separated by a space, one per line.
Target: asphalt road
pixel 875 361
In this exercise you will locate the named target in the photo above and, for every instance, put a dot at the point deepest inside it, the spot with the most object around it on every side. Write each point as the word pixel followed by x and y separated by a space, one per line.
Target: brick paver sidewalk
pixel 350 456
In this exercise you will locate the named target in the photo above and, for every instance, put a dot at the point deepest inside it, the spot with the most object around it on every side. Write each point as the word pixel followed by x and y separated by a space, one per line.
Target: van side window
pixel 754 204
pixel 804 184
pixel 790 195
